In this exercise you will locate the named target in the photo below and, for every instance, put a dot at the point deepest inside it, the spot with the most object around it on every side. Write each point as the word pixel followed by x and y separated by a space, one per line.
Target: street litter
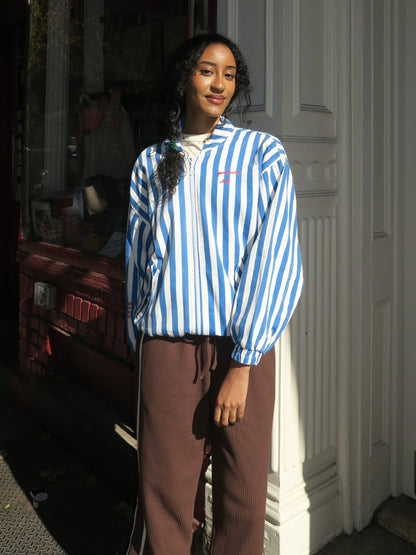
pixel 38 498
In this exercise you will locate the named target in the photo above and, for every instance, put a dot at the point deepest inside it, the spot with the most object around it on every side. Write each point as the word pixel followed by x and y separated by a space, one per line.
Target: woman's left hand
pixel 231 399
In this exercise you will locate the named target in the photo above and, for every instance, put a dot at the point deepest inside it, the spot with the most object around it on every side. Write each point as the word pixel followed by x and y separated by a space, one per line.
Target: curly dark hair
pixel 182 66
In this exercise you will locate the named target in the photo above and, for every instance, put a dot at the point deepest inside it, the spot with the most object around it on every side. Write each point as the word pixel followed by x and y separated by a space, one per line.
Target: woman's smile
pixel 216 98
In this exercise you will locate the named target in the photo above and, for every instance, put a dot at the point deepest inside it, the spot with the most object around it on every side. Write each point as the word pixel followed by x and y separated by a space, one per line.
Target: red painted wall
pixel 84 336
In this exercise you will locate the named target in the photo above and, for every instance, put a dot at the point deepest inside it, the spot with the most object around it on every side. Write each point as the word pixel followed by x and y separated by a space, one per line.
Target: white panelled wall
pixel 327 77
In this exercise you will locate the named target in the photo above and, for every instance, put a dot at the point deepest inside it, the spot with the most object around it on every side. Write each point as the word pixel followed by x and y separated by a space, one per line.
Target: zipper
pixel 195 243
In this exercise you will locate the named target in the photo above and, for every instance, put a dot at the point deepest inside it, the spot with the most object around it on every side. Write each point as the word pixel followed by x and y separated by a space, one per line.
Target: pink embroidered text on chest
pixel 228 173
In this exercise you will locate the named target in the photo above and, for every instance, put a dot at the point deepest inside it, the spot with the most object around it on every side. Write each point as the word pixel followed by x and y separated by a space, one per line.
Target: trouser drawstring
pixel 206 356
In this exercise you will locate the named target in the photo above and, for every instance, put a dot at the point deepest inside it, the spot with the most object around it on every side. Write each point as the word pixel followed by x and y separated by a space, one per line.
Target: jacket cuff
pixel 246 356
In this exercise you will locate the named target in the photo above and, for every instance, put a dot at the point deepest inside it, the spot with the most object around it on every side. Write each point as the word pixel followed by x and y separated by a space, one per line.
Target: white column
pixel 344 262
pixel 295 77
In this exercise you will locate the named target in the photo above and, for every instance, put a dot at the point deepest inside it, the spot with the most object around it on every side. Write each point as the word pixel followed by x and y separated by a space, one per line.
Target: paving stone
pixel 82 514
pixel 21 527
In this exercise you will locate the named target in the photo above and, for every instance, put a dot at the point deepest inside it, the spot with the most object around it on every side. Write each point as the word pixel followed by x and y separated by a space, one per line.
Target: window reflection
pixel 94 101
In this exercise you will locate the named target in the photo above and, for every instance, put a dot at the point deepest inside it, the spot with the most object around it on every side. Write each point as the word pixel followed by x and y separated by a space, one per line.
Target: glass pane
pixel 94 101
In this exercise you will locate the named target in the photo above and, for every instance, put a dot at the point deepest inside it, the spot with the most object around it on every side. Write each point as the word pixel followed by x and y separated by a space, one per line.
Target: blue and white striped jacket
pixel 221 256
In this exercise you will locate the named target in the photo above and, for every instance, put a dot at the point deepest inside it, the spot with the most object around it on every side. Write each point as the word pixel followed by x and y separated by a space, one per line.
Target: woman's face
pixel 210 88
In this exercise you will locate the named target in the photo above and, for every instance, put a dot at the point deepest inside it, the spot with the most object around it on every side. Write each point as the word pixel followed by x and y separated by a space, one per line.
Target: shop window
pixel 94 101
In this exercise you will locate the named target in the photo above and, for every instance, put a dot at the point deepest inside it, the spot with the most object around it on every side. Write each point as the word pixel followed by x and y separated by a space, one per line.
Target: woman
pixel 213 275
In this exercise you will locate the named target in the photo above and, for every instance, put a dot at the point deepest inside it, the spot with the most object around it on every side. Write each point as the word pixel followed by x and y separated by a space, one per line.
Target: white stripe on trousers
pixel 139 379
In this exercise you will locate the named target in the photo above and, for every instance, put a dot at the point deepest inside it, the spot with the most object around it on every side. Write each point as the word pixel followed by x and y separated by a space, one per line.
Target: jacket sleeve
pixel 137 248
pixel 272 277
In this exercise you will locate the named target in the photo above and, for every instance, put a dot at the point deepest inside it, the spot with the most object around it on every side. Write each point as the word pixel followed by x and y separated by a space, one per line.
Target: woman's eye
pixel 206 71
pixel 230 76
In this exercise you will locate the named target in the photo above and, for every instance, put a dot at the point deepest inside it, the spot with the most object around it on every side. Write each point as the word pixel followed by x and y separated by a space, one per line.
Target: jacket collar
pixel 222 131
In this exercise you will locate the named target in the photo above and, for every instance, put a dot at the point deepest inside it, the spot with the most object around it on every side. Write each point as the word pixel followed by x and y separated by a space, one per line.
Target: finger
pixel 240 414
pixel 217 416
pixel 225 417
pixel 232 417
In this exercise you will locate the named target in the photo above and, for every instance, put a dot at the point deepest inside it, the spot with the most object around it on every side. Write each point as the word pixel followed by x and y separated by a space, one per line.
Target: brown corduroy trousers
pixel 179 382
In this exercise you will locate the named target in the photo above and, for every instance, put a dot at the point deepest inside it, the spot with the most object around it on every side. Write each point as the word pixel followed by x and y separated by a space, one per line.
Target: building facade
pixel 334 80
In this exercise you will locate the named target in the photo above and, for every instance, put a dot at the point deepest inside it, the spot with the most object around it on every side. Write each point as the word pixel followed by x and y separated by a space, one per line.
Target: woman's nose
pixel 217 85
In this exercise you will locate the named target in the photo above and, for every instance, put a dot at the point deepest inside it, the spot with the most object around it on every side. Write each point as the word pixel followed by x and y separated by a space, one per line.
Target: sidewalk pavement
pixel 391 532
pixel 81 514
pixel 373 540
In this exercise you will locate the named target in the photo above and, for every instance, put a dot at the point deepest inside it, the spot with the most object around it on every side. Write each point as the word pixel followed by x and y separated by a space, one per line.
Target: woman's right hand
pixel 231 399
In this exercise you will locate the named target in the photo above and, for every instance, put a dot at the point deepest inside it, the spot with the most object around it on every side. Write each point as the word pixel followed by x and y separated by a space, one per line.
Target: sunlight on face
pixel 210 89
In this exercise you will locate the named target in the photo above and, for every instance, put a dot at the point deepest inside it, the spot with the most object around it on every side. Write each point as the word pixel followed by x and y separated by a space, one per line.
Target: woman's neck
pixel 199 126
